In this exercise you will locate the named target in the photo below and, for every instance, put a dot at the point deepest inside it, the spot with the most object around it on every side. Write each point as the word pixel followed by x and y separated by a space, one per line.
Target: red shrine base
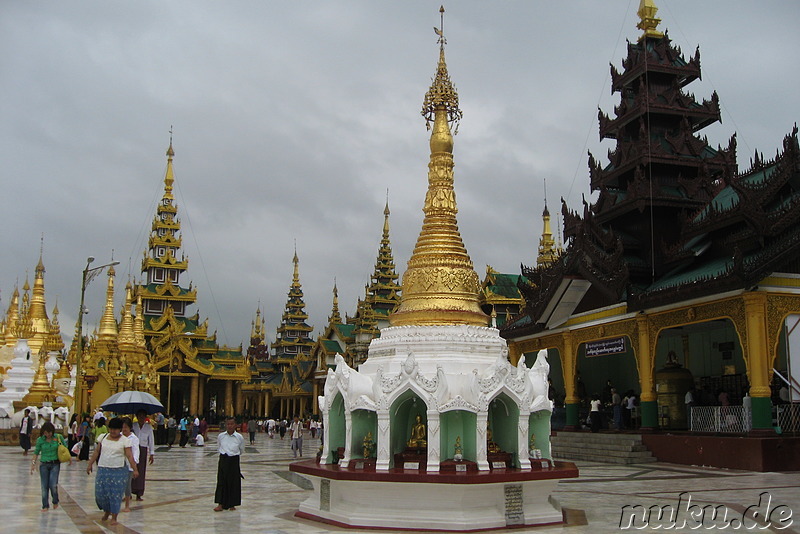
pixel 444 501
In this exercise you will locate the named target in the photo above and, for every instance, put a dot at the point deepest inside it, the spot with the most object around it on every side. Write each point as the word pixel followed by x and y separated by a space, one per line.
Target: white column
pixel 348 437
pixel 434 442
pixel 327 453
pixel 383 456
pixel 523 445
pixel 480 436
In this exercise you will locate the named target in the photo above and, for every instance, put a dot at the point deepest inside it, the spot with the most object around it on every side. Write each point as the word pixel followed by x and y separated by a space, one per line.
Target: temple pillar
pixel 193 391
pixel 757 355
pixel 644 362
pixel 228 398
pixel 314 397
pixel 522 440
pixel 480 437
pixel 514 353
pixel 302 407
pixel 434 441
pixel 348 438
pixel 239 399
pixel 201 395
pixel 572 403
pixel 383 452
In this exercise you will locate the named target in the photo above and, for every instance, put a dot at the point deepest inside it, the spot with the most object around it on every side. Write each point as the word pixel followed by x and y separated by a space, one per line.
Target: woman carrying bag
pixel 47 449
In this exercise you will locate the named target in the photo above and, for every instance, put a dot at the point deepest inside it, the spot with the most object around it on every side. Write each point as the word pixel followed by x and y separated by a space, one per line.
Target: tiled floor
pixel 180 491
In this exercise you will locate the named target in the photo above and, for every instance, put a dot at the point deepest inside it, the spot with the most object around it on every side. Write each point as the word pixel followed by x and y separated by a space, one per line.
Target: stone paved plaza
pixel 180 491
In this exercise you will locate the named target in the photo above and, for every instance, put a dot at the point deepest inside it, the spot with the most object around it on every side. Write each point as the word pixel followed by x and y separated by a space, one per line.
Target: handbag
pixel 63 452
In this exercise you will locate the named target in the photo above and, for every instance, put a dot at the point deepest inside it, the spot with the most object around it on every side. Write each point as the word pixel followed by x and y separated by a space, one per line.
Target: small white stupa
pixel 437 400
pixel 20 377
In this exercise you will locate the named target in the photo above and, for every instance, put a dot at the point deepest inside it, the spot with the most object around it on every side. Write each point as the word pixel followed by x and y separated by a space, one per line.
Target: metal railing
pixel 788 418
pixel 733 419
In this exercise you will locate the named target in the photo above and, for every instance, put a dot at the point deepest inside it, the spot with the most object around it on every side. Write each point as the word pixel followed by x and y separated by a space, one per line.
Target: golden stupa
pixel 440 285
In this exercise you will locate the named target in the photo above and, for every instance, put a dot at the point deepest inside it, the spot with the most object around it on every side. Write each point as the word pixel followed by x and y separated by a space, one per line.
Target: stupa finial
pixel 440 286
pixel 648 22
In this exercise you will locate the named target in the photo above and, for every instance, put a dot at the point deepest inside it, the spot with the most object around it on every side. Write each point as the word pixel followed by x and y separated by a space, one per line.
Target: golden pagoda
pixel 38 311
pixel 440 285
pixel 189 366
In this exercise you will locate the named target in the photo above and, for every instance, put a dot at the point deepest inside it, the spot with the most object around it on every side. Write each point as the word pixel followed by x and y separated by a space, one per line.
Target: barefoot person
pixel 144 431
pixel 25 429
pixel 113 450
pixel 229 482
pixel 49 466
pixel 127 431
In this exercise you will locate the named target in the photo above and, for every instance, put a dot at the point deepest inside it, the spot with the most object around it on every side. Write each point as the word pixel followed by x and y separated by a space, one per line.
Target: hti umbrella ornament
pixel 132 402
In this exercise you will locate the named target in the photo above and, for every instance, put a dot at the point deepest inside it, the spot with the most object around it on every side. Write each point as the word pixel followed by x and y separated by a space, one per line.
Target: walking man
pixel 230 444
pixel 252 426
pixel 296 435
pixel 25 429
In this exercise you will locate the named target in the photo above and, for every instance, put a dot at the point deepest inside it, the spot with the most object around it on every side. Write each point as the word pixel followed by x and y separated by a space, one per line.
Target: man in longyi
pixel 230 444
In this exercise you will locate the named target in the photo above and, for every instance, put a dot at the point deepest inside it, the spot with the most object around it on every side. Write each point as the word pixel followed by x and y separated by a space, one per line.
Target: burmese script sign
pixel 605 347
pixel 514 512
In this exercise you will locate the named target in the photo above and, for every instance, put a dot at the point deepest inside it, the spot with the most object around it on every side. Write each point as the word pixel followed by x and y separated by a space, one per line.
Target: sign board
pixel 461 468
pixel 605 347
pixel 411 465
pixel 359 465
pixel 498 465
pixel 515 514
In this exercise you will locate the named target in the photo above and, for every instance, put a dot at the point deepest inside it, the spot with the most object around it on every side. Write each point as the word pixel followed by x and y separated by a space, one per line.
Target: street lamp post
pixel 88 275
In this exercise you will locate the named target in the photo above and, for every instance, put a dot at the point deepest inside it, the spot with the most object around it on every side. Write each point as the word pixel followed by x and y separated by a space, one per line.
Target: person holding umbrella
pixel 112 473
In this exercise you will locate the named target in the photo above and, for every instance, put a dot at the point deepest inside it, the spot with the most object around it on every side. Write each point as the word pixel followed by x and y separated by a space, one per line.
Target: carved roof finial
pixel 648 21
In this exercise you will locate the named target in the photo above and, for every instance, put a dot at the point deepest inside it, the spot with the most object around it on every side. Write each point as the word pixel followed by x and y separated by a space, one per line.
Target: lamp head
pixel 90 259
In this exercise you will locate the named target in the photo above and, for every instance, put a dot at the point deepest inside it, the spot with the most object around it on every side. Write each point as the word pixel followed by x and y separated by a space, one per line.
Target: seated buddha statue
pixel 418 435
pixel 491 446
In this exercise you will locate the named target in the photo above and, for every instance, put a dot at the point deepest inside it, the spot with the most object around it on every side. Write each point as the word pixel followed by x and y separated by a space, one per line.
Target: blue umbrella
pixel 132 402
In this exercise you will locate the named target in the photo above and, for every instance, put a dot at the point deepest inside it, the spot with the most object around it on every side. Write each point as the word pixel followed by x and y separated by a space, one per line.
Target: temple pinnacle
pixel 440 286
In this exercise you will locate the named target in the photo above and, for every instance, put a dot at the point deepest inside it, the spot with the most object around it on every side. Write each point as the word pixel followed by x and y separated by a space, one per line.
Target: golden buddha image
pixel 418 435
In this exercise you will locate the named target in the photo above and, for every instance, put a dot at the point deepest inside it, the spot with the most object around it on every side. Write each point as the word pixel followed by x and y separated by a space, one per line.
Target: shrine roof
pixel 346 330
pixel 331 345
pixel 505 285
pixel 709 270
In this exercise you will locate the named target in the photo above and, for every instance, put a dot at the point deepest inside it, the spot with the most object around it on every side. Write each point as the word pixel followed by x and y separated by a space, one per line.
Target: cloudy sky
pixel 292 119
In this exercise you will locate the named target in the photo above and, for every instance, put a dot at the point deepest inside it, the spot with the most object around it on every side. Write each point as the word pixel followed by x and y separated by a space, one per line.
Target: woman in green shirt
pixel 49 466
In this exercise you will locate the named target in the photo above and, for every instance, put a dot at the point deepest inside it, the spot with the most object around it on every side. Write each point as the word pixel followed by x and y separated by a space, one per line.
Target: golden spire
pixel 108 326
pixel 335 317
pixel 12 318
pixel 548 252
pixel 169 177
pixel 440 286
pixel 127 338
pixel 24 329
pixel 40 390
pixel 257 325
pixel 38 311
pixel 54 341
pixel 386 214
pixel 138 324
pixel 648 21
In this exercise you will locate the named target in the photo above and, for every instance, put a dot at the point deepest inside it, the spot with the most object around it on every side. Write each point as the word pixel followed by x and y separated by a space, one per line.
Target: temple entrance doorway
pixel 604 365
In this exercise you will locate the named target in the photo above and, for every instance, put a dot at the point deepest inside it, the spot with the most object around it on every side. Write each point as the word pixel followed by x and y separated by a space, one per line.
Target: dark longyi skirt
pixel 229 482
pixel 137 486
